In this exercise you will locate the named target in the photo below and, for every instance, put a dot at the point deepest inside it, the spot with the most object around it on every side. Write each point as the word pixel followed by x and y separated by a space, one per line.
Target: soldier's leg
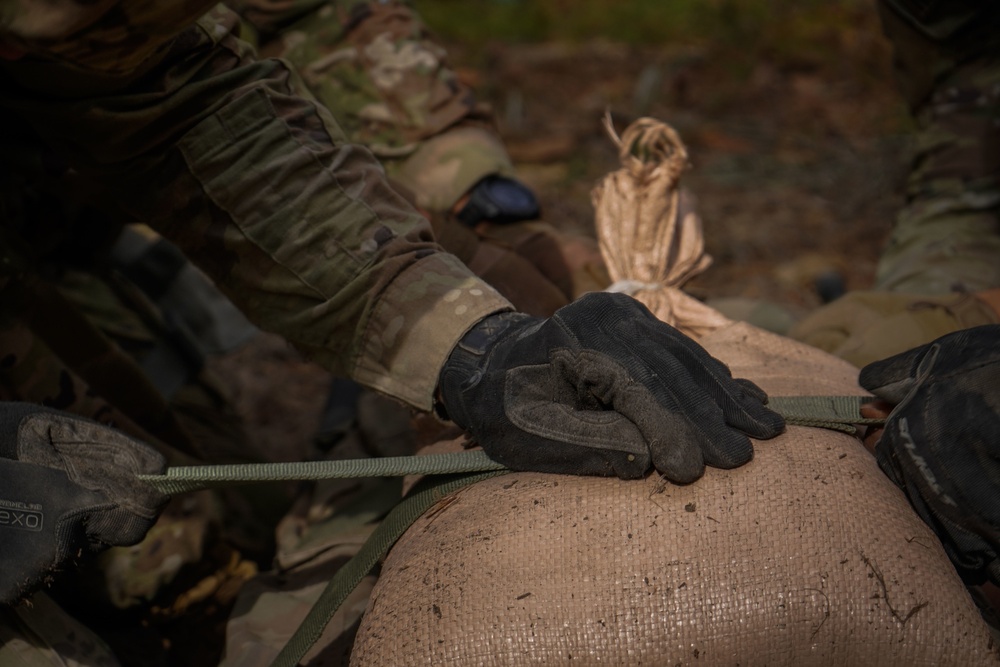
pixel 947 235
pixel 377 68
pixel 946 238
pixel 375 65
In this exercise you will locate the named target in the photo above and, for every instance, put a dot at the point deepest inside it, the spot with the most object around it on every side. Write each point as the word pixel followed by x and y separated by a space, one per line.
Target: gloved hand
pixel 941 443
pixel 67 484
pixel 601 388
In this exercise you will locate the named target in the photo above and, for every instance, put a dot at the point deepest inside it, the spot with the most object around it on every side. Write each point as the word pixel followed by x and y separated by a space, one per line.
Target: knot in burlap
pixel 649 235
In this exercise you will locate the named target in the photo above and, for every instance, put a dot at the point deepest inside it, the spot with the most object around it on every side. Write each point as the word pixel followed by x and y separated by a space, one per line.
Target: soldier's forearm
pixel 228 157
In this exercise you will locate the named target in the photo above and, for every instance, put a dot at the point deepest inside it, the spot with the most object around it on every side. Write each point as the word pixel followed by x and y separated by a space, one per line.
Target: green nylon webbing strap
pixel 834 412
pixel 180 479
pixel 840 413
pixel 374 549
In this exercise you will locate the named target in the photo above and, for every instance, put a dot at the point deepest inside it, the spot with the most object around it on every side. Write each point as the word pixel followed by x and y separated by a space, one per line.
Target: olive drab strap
pixel 838 413
pixel 372 551
pixel 182 479
pixel 841 413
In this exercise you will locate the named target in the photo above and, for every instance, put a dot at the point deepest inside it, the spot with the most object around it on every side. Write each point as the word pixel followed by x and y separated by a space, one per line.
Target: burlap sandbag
pixel 806 556
pixel 648 231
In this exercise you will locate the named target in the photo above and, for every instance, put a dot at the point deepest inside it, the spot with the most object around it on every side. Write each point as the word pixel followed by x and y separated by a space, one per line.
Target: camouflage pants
pixel 376 67
pixel 947 235
pixel 941 269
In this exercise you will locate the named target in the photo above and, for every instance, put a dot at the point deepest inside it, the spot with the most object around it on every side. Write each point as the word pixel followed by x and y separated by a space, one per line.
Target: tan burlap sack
pixel 806 556
pixel 649 233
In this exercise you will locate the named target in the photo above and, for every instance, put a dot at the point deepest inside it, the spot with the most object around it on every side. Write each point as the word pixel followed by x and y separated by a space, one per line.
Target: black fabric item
pixel 941 442
pixel 501 200
pixel 601 388
pixel 67 485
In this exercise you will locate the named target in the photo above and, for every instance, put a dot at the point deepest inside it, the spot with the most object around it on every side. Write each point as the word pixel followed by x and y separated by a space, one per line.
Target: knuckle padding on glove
pixel 552 403
pixel 688 381
pixel 553 390
pixel 647 341
pixel 677 427
pixel 95 457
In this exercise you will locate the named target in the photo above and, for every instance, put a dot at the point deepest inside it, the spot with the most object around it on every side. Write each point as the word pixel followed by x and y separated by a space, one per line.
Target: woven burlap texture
pixel 806 556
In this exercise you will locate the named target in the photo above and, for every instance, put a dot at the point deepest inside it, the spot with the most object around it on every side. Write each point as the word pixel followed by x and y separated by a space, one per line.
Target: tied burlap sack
pixel 806 556
pixel 649 235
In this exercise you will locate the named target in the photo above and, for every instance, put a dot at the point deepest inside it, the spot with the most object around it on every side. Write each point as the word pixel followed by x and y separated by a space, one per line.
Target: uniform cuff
pixel 417 322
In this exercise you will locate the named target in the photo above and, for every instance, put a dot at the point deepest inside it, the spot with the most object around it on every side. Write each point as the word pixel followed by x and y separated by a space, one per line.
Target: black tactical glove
pixel 499 199
pixel 601 388
pixel 941 442
pixel 66 485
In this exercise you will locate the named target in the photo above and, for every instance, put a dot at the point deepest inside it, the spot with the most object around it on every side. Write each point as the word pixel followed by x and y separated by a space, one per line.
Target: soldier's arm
pixel 229 157
pixel 226 156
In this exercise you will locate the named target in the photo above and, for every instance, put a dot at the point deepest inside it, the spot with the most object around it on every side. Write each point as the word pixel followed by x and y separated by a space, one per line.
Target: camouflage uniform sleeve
pixel 228 157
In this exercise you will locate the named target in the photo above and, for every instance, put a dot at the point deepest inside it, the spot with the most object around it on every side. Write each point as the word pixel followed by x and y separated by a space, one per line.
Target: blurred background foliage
pixel 792 33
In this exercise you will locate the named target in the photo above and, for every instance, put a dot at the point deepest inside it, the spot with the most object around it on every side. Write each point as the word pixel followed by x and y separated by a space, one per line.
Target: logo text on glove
pixel 921 462
pixel 23 516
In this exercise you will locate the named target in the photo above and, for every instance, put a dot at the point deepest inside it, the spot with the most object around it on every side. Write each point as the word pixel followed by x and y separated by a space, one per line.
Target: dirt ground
pixel 796 159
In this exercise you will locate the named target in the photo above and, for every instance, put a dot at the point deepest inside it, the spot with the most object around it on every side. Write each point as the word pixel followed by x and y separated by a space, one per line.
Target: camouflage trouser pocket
pixel 376 67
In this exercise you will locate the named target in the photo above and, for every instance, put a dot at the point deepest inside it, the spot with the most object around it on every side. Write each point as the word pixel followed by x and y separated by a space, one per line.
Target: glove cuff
pixel 468 361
